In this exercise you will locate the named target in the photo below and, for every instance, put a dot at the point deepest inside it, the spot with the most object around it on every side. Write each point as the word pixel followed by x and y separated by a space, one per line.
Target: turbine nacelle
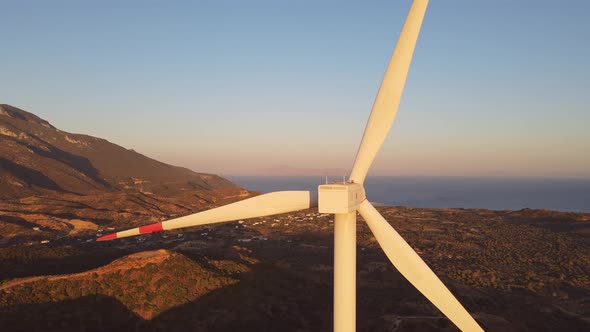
pixel 344 197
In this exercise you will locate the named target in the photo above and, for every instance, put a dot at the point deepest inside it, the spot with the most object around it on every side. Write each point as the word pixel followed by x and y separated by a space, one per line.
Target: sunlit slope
pixel 146 283
pixel 37 158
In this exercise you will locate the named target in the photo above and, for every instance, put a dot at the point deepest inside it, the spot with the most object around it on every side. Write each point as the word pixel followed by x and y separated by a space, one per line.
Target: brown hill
pixel 146 283
pixel 39 159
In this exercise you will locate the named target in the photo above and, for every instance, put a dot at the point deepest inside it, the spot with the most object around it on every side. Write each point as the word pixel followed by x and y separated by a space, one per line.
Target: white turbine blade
pixel 389 95
pixel 259 206
pixel 413 268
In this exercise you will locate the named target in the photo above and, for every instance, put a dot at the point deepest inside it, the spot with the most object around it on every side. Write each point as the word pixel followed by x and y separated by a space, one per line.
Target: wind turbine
pixel 345 199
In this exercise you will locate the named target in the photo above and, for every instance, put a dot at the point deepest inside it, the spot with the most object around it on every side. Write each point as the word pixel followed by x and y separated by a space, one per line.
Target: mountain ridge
pixel 36 158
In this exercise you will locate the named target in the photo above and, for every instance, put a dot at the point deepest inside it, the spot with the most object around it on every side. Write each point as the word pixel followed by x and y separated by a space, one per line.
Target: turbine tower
pixel 345 199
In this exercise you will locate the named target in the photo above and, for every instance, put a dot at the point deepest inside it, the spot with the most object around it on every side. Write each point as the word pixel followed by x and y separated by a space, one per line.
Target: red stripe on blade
pixel 107 237
pixel 157 227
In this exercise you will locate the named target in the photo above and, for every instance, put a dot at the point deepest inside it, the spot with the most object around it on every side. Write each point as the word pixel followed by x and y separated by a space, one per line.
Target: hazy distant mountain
pixel 38 159
pixel 284 170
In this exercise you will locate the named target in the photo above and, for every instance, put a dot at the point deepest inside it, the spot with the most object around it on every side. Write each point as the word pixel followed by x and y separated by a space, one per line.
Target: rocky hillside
pixel 38 159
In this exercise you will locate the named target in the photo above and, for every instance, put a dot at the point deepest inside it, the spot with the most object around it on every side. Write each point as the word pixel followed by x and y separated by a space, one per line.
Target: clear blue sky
pixel 496 88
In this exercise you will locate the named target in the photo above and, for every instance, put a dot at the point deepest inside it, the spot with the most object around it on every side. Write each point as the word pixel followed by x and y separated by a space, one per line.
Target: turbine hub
pixel 343 197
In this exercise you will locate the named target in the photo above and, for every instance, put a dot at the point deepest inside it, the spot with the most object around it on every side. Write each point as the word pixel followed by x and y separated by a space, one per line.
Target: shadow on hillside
pixel 571 227
pixel 95 313
pixel 65 215
pixel 79 163
pixel 266 299
pixel 17 221
pixel 75 204
pixel 30 176
pixel 16 264
pixel 558 222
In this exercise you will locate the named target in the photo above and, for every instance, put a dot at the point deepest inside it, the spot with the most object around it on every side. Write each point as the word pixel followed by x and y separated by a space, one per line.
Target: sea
pixel 495 193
